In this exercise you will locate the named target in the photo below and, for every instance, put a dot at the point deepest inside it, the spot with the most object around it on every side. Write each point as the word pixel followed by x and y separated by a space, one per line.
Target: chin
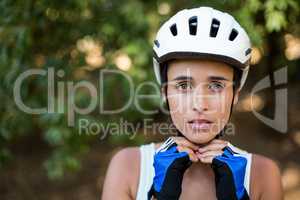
pixel 200 137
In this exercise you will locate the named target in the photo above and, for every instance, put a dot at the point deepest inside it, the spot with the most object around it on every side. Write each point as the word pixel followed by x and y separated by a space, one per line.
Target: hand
pixel 184 145
pixel 214 148
pixel 230 169
pixel 170 162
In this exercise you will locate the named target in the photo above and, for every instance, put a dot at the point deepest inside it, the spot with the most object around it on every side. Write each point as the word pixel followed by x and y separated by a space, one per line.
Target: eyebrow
pixel 219 78
pixel 179 78
pixel 212 78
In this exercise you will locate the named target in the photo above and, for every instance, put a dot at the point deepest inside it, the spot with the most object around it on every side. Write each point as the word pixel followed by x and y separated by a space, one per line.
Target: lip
pixel 200 124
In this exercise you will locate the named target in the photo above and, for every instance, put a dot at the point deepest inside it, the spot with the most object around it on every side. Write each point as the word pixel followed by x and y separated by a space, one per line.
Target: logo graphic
pixel 279 122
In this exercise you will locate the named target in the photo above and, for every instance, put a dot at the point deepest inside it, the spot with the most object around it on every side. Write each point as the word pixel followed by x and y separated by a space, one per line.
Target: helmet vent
pixel 214 27
pixel 234 33
pixel 173 29
pixel 156 43
pixel 248 51
pixel 193 22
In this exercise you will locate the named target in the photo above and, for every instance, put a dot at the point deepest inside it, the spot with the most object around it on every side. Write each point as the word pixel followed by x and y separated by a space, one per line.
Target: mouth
pixel 200 124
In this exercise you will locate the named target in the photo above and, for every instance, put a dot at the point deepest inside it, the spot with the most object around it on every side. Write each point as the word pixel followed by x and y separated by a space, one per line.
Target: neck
pixel 200 166
pixel 199 169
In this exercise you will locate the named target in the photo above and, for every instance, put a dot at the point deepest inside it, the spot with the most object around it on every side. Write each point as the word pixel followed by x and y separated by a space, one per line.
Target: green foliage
pixel 60 161
pixel 43 34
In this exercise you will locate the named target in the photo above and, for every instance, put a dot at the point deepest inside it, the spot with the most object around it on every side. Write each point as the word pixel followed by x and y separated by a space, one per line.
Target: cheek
pixel 179 102
pixel 179 108
pixel 222 106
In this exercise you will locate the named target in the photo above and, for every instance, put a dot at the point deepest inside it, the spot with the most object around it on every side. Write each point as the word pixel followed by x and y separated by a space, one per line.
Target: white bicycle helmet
pixel 202 33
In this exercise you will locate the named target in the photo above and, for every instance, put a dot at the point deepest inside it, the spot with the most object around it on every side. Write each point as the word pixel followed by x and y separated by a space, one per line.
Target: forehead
pixel 198 69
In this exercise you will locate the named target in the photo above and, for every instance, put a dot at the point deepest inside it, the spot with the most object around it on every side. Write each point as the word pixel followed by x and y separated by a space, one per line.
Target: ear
pixel 236 97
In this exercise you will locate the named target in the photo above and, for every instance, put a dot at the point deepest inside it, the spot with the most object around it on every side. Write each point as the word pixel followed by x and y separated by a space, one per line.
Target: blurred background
pixel 42 157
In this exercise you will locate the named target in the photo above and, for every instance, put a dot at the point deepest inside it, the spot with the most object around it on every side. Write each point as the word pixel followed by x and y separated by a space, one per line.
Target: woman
pixel 201 59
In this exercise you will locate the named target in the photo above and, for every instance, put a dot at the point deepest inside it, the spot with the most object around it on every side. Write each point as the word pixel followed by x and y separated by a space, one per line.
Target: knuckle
pixel 189 151
pixel 215 141
pixel 179 148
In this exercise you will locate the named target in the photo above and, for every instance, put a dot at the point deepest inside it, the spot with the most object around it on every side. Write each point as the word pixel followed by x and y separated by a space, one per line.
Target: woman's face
pixel 200 94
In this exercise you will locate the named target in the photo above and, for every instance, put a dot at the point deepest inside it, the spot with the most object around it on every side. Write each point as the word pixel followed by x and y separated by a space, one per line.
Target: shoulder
pixel 265 178
pixel 126 156
pixel 126 162
pixel 259 161
pixel 123 170
pixel 264 167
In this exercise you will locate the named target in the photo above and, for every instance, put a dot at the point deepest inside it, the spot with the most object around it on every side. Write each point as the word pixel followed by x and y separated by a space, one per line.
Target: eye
pixel 216 86
pixel 184 86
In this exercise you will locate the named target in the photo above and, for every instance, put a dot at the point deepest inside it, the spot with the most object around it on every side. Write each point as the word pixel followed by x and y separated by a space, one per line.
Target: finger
pixel 193 157
pixel 184 142
pixel 209 153
pixel 212 147
pixel 218 141
pixel 207 160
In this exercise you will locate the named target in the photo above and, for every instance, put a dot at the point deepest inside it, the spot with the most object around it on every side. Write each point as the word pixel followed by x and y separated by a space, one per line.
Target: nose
pixel 200 101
